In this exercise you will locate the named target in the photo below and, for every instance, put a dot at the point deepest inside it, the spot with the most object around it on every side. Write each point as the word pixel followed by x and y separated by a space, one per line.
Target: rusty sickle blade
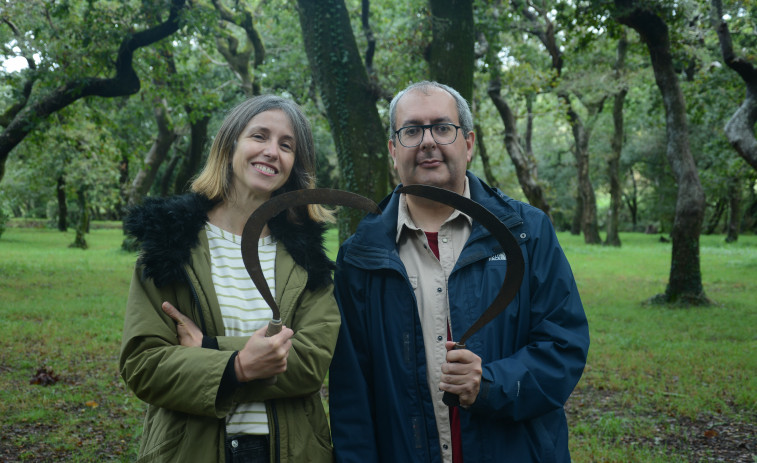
pixel 515 263
pixel 271 209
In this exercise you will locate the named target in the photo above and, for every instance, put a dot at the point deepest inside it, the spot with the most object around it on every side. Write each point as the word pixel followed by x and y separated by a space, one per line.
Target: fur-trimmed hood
pixel 168 229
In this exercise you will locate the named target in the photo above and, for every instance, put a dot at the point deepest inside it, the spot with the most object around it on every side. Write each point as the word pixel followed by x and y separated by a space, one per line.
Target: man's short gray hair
pixel 463 110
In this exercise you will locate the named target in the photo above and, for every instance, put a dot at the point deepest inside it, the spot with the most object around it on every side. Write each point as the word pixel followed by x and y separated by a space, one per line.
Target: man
pixel 416 277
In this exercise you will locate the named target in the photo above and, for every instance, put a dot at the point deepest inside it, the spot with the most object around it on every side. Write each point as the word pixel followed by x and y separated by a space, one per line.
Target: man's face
pixel 430 163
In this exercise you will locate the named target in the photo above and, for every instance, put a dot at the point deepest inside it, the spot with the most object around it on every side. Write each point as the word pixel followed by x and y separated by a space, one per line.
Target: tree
pixel 613 162
pixel 26 117
pixel 451 56
pixel 155 156
pixel 685 282
pixel 519 148
pixel 349 102
pixel 228 45
pixel 740 128
pixel 537 22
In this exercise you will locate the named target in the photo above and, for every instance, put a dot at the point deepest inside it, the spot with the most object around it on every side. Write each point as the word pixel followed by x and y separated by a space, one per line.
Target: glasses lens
pixel 444 134
pixel 411 136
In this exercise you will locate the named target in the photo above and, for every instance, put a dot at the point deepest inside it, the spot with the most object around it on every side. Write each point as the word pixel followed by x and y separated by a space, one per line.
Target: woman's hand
pixel 263 357
pixel 188 333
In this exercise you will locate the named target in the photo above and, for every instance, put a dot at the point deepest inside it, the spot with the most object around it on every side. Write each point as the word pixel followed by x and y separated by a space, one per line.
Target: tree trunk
pixel 165 182
pixel 522 157
pixel 62 206
pixel 613 169
pixel 581 135
pixel 154 158
pixel 83 226
pixel 484 155
pixel 359 136
pixel 575 226
pixel 734 212
pixel 193 160
pixel 125 82
pixel 740 128
pixel 685 283
pixel 632 201
pixel 717 214
pixel 613 163
pixel 451 57
pixel 749 220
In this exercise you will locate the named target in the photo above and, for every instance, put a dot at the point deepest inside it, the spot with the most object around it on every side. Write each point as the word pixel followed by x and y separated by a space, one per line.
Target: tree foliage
pixel 545 86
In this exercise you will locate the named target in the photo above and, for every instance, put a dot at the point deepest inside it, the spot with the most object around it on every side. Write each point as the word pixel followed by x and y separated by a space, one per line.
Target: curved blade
pixel 278 204
pixel 515 263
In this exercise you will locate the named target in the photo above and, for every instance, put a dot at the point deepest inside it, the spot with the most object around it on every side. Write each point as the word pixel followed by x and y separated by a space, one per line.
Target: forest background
pixel 611 116
pixel 608 115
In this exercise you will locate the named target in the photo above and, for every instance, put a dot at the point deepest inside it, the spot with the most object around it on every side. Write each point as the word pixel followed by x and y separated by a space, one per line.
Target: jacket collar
pixel 373 244
pixel 169 228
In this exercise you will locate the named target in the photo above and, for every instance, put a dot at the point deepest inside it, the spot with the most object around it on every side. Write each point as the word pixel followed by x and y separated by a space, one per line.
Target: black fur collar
pixel 168 228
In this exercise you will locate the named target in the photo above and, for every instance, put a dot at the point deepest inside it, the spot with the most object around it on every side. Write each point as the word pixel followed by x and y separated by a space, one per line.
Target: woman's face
pixel 264 155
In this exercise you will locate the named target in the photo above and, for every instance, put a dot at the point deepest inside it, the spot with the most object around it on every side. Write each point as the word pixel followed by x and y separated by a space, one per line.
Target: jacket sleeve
pixel 350 382
pixel 541 374
pixel 315 323
pixel 155 367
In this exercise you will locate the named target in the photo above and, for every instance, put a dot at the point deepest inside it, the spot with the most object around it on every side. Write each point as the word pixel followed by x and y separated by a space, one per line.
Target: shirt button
pixel 444 240
pixel 439 290
pixel 235 443
pixel 445 446
pixel 523 236
pixel 439 338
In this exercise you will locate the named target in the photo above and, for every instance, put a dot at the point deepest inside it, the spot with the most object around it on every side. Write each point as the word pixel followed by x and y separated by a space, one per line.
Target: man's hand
pixel 461 374
pixel 263 357
pixel 189 334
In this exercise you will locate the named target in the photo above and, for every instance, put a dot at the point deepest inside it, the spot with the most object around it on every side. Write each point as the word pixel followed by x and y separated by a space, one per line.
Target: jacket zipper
pixel 196 298
pixel 277 439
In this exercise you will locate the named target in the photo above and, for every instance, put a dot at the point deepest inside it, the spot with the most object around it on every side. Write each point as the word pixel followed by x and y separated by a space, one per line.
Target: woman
pixel 194 345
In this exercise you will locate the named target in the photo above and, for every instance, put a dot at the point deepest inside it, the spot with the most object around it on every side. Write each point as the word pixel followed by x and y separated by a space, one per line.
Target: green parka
pixel 185 419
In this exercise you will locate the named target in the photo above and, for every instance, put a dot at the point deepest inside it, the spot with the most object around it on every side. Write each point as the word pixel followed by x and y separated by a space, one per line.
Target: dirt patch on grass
pixel 706 439
pixel 25 442
pixel 31 442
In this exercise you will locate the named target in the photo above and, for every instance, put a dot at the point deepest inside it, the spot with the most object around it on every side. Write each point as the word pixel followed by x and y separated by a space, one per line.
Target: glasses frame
pixel 430 127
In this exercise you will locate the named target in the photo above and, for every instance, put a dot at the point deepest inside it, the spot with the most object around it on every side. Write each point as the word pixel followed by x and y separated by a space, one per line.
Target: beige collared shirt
pixel 429 277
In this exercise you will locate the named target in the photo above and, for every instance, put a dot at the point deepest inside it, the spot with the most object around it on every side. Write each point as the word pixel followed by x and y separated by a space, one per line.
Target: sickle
pixel 271 208
pixel 515 263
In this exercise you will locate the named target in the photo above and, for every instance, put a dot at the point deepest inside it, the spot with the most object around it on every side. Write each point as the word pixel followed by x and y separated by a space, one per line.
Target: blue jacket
pixel 533 353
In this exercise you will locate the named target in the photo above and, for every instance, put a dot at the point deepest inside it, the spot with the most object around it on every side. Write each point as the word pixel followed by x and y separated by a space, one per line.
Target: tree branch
pixel 28 84
pixel 740 128
pixel 125 82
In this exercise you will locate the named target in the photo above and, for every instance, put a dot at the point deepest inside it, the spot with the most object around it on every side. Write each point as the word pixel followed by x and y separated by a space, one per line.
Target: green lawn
pixel 661 384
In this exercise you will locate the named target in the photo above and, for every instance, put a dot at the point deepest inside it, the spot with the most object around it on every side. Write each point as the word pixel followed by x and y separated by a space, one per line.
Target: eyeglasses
pixel 412 135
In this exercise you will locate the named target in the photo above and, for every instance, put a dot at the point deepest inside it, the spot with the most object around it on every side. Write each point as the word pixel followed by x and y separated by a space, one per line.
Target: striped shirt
pixel 243 309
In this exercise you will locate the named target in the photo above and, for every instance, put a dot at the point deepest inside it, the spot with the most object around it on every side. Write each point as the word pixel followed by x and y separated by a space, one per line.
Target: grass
pixel 660 381
pixel 62 309
pixel 661 384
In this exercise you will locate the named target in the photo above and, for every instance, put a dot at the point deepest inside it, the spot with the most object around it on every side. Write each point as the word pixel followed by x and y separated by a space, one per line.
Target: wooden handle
pixel 450 399
pixel 274 328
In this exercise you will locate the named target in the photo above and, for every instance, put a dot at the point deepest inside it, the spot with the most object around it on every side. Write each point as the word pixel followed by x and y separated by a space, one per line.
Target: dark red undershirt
pixel 454 412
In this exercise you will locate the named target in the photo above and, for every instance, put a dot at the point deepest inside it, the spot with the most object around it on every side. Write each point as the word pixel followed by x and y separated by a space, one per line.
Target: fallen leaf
pixel 710 433
pixel 91 403
pixel 44 377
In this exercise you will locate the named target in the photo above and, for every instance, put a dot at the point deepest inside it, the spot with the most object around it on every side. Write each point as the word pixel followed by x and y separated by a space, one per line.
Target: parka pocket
pixel 542 441
pixel 308 437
